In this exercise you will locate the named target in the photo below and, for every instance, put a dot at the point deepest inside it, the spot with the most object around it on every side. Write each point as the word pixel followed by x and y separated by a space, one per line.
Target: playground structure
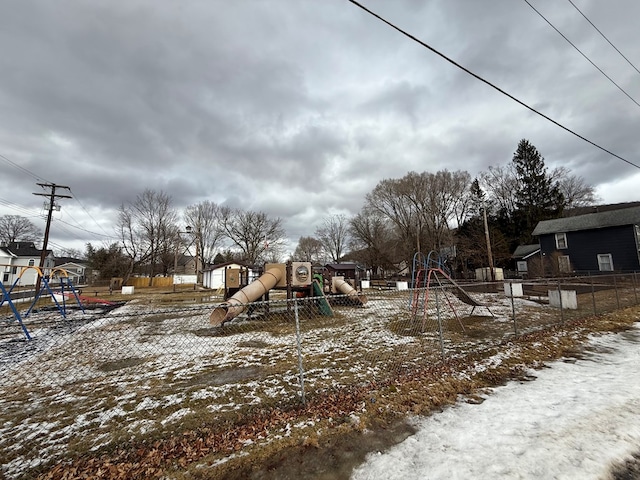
pixel 59 295
pixel 294 277
pixel 339 286
pixel 431 271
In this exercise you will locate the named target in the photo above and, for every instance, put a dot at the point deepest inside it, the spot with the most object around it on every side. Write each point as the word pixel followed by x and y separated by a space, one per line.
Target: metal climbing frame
pixel 64 282
pixel 425 271
pixel 7 298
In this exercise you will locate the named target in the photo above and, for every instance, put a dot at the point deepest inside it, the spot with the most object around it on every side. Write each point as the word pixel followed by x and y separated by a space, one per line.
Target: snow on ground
pixel 141 368
pixel 574 421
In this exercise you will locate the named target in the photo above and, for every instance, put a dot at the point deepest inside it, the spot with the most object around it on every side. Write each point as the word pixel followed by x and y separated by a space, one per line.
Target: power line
pixel 580 52
pixel 90 216
pixel 30 214
pixel 19 208
pixel 85 230
pixel 478 77
pixel 604 36
pixel 22 169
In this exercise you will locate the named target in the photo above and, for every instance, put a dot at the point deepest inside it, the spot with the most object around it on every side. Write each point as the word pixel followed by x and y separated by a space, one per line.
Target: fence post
pixel 513 308
pixel 298 341
pixel 439 322
pixel 593 295
pixel 560 299
pixel 615 285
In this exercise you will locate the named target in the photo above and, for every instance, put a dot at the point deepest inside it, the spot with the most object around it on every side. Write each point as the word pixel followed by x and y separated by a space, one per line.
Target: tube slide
pixel 237 304
pixel 343 287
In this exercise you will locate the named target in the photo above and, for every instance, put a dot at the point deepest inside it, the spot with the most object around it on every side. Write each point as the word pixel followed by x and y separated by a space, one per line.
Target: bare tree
pixel 372 241
pixel 148 231
pixel 75 253
pixel 390 200
pixel 14 228
pixel 501 184
pixel 133 247
pixel 274 253
pixel 205 219
pixel 448 198
pixel 422 207
pixel 334 236
pixel 575 190
pixel 309 249
pixel 254 233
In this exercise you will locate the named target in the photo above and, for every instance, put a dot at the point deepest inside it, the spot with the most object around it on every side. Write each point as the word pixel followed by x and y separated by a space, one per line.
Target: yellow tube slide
pixel 343 287
pixel 237 304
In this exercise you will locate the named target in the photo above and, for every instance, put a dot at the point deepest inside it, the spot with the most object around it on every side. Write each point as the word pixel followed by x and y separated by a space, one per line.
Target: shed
pixel 214 276
pixel 526 258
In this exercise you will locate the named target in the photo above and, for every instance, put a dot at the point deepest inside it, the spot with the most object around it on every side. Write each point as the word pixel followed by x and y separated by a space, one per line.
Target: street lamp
pixel 187 230
pixel 196 238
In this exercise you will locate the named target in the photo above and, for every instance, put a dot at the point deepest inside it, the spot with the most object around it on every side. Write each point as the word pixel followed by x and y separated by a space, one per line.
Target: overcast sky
pixel 299 108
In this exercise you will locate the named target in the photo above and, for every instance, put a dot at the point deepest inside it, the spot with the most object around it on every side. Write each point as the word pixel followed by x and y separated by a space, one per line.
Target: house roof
pixel 6 252
pixel 572 212
pixel 525 251
pixel 343 266
pixel 64 260
pixel 590 221
pixel 226 264
pixel 25 249
pixel 71 264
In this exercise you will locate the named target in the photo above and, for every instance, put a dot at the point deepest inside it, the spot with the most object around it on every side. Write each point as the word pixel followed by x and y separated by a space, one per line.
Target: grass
pixel 199 402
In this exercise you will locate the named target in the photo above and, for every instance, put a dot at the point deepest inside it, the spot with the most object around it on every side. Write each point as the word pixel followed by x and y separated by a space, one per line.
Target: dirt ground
pixel 345 425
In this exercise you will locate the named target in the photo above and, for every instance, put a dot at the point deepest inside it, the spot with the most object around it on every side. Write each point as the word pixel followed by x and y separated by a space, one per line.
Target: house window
pixel 561 241
pixel 14 270
pixel 605 262
pixel 522 266
pixel 32 262
pixel 564 264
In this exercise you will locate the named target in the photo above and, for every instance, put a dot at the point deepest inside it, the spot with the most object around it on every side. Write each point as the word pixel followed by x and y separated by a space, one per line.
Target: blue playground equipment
pixel 7 298
pixel 62 308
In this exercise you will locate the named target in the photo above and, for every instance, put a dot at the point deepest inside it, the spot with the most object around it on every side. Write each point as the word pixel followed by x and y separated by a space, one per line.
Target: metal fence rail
pixel 96 379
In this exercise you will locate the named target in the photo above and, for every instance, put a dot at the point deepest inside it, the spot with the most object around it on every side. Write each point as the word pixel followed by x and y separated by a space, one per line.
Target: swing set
pixel 58 298
pixel 428 272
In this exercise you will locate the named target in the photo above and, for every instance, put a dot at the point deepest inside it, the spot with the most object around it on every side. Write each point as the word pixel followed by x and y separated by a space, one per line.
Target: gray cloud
pixel 298 109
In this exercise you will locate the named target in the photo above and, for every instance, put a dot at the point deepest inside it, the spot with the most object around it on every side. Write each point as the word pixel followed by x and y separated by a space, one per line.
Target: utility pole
pixel 52 203
pixel 486 234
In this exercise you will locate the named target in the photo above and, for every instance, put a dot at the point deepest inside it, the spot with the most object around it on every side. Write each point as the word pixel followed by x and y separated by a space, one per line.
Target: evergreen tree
pixel 537 197
pixel 110 261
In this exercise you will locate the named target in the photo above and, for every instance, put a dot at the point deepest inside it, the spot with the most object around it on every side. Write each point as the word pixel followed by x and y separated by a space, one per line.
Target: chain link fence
pixel 108 376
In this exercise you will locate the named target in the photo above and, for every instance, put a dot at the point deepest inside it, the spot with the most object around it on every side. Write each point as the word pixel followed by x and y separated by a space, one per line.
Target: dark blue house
pixel 602 241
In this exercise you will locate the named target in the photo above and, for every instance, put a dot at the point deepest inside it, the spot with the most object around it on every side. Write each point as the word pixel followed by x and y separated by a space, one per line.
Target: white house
pixel 75 272
pixel 19 262
pixel 6 262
